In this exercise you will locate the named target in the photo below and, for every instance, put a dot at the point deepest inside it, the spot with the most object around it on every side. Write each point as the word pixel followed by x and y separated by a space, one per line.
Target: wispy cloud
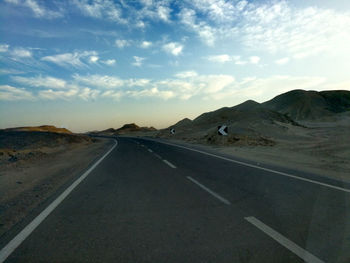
pixel 277 27
pixel 105 9
pixel 236 59
pixel 282 61
pixel 109 62
pixel 173 48
pixel 183 86
pixel 50 94
pixel 39 81
pixel 220 58
pixel 39 11
pixel 93 59
pixel 254 59
pixel 99 81
pixel 71 59
pixel 4 47
pixel 186 74
pixel 121 43
pixel 146 44
pixel 21 53
pixel 202 29
pixel 10 72
pixel 11 93
pixel 138 61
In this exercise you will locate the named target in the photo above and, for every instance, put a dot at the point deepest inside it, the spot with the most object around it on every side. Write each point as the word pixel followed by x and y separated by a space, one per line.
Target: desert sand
pixel 35 172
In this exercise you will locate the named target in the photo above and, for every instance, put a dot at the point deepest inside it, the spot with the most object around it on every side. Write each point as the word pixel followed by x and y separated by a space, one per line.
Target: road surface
pixel 152 202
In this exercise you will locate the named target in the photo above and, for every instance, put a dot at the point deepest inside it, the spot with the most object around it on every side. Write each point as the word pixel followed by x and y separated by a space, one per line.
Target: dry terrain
pixel 35 164
pixel 301 130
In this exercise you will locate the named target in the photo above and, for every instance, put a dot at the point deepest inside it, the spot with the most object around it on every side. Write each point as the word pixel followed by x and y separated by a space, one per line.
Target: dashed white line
pixel 259 167
pixel 169 163
pixel 17 240
pixel 225 201
pixel 302 253
pixel 150 150
pixel 158 156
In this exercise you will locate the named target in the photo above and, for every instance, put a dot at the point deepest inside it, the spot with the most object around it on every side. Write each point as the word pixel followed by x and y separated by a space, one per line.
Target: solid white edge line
pixel 259 167
pixel 225 201
pixel 170 164
pixel 290 245
pixel 19 238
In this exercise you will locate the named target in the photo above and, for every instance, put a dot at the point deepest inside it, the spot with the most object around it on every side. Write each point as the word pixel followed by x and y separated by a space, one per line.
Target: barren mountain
pixel 43 128
pixel 130 128
pixel 248 123
pixel 310 105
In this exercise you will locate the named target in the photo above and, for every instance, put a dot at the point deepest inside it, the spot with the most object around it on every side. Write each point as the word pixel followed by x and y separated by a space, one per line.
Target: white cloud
pixel 39 81
pixel 99 81
pixel 236 59
pixel 186 74
pixel 121 43
pixel 254 60
pixel 220 58
pixel 70 59
pixel 173 48
pixel 146 44
pixel 109 62
pixel 93 59
pixel 21 53
pixel 116 95
pixel 263 89
pixel 204 31
pixel 88 94
pixel 276 27
pixel 38 10
pixel 4 47
pixel 300 33
pixel 102 9
pixel 58 94
pixel 152 92
pixel 164 13
pixel 185 85
pixel 12 93
pixel 10 72
pixel 282 61
pixel 138 61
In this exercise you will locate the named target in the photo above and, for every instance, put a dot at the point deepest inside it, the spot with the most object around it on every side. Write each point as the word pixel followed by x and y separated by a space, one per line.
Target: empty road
pixel 147 201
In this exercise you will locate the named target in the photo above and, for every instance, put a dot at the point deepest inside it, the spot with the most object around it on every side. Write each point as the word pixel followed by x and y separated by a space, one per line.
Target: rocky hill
pixel 310 105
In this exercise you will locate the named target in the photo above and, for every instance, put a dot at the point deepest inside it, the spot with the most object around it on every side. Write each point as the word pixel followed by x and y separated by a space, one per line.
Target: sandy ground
pixel 321 148
pixel 27 183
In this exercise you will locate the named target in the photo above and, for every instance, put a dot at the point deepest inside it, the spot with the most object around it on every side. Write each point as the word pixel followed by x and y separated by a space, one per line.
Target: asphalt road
pixel 151 202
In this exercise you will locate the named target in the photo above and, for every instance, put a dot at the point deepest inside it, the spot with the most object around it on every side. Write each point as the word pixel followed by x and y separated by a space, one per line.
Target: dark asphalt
pixel 135 208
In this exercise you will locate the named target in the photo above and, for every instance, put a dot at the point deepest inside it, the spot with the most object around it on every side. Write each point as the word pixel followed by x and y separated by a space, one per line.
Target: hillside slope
pixel 310 105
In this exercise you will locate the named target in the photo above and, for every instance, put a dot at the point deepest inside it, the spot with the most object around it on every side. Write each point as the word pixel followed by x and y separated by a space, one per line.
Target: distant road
pixel 147 201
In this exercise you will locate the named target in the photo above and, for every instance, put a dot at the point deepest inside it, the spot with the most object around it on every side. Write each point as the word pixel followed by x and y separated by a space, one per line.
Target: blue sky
pixel 95 64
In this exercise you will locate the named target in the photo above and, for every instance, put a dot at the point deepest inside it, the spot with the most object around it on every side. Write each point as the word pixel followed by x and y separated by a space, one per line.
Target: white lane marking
pixel 302 253
pixel 158 156
pixel 261 168
pixel 169 163
pixel 17 240
pixel 150 150
pixel 225 201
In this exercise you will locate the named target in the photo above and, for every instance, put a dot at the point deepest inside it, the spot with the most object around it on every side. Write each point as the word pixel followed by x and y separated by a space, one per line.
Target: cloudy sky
pixel 95 64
